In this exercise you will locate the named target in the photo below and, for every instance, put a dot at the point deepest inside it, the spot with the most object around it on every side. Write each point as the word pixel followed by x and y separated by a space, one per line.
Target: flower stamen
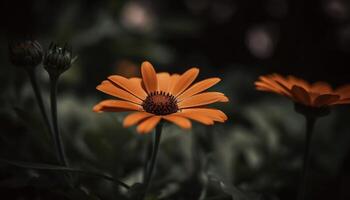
pixel 160 103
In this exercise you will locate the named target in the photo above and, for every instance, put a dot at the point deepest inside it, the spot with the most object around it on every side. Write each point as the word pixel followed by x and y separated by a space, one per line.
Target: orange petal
pixel 321 88
pixel 184 81
pixel 223 99
pixel 343 91
pixel 269 81
pixel 136 80
pixel 197 117
pixel 262 86
pixel 135 118
pixel 301 95
pixel 299 82
pixel 149 77
pixel 198 87
pixel 180 121
pixel 325 99
pixel 201 99
pixel 147 125
pixel 342 101
pixel 282 81
pixel 116 106
pixel 214 114
pixel 265 89
pixel 313 96
pixel 172 82
pixel 163 81
pixel 108 88
pixel 130 85
pixel 100 109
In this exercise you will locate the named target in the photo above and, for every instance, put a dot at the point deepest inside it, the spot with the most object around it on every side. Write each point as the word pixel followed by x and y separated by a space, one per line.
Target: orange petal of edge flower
pixel 109 105
pixel 108 88
pixel 325 99
pixel 343 91
pixel 299 82
pixel 180 121
pixel 149 77
pixel 184 81
pixel 135 118
pixel 274 85
pixel 198 87
pixel 321 88
pixel 147 125
pixel 264 87
pixel 342 101
pixel 282 81
pixel 129 85
pixel 300 95
pixel 201 99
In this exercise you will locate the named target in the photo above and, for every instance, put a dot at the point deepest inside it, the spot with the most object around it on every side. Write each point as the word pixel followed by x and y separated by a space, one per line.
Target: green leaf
pixel 41 166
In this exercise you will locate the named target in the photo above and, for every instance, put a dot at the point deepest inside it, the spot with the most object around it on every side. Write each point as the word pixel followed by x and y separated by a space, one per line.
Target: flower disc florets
pixel 160 103
pixel 26 53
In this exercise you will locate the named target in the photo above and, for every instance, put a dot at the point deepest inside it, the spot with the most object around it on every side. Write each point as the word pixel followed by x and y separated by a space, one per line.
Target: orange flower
pixel 319 94
pixel 159 96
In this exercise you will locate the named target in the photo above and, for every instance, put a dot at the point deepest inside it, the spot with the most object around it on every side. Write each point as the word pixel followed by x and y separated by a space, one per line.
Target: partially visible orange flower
pixel 126 68
pixel 319 94
pixel 159 96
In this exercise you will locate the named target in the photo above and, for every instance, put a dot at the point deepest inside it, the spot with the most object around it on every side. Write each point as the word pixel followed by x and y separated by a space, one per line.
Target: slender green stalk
pixel 57 136
pixel 310 123
pixel 39 99
pixel 148 147
pixel 153 161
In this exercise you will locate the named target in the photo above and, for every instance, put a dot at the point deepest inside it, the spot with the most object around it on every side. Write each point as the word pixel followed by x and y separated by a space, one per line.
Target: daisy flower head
pixel 162 96
pixel 314 97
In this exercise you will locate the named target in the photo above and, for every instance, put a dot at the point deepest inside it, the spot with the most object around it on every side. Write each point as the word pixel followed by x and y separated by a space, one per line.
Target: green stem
pixel 39 99
pixel 57 136
pixel 310 123
pixel 148 147
pixel 153 161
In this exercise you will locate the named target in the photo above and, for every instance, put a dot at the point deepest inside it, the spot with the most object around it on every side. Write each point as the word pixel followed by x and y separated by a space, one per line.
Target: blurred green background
pixel 255 155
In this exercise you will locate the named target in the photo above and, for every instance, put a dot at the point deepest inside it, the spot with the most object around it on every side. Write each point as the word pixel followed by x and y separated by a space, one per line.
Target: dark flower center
pixel 160 103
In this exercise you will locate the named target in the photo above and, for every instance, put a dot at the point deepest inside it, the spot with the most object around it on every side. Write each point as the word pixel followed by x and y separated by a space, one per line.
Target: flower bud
pixel 58 59
pixel 26 53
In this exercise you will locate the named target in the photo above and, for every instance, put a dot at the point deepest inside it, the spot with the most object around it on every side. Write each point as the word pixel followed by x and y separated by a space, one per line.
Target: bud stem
pixel 57 136
pixel 39 99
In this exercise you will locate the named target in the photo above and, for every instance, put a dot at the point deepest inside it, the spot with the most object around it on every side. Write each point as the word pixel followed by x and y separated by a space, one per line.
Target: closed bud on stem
pixel 25 53
pixel 58 59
